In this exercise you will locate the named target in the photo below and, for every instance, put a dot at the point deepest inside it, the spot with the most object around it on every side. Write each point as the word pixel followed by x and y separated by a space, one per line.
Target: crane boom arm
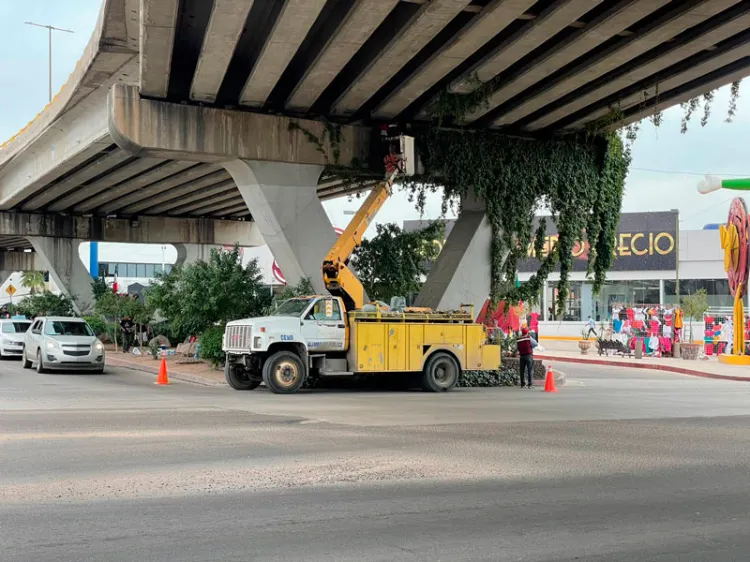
pixel 339 279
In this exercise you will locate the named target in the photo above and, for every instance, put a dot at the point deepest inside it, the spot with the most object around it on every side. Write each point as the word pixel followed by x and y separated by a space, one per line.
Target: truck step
pixel 336 373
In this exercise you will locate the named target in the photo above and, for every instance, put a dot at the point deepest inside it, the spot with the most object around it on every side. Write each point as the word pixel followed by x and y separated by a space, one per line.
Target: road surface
pixel 618 466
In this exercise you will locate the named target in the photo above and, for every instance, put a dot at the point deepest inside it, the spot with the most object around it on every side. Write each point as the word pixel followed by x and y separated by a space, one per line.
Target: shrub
pixel 486 379
pixel 98 325
pixel 210 343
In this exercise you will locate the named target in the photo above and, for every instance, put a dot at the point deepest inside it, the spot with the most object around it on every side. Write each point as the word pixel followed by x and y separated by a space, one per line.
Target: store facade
pixel 650 254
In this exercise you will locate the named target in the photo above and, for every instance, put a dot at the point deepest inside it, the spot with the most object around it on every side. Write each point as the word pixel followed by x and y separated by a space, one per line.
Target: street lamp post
pixel 49 29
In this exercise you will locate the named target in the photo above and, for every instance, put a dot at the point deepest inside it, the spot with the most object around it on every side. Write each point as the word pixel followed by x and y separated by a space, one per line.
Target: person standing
pixel 526 358
pixel 592 327
pixel 127 333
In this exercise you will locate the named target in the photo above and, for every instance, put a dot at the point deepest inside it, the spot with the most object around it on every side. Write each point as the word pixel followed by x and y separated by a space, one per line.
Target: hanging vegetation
pixel 579 181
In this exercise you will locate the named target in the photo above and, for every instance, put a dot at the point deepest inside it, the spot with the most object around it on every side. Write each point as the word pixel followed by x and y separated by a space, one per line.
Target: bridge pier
pixel 60 257
pixel 289 215
pixel 461 274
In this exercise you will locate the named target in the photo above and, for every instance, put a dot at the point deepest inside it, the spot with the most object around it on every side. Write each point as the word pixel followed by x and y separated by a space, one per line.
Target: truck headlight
pixel 256 341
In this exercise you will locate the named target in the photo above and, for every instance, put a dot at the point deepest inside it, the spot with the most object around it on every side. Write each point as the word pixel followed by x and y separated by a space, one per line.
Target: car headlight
pixel 52 345
pixel 98 346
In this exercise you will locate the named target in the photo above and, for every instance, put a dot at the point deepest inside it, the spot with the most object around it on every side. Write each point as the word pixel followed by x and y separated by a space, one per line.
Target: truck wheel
pixel 284 372
pixel 237 380
pixel 441 372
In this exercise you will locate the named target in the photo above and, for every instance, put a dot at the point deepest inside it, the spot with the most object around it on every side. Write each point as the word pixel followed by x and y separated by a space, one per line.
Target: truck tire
pixel 284 372
pixel 440 373
pixel 239 381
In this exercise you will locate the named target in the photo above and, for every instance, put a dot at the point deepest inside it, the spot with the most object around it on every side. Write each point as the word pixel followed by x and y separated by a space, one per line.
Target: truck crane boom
pixel 340 281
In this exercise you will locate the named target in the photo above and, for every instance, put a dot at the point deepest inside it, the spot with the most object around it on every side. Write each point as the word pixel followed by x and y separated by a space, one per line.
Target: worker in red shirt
pixel 526 347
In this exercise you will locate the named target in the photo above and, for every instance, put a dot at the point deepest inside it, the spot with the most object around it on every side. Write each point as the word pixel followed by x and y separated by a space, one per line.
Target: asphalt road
pixel 626 466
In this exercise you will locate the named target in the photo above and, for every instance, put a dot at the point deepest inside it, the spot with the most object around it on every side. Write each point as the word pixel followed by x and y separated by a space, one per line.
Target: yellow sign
pixel 11 290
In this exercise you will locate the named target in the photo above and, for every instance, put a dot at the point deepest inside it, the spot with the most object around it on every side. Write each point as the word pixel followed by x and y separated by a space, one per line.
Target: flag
pixel 114 283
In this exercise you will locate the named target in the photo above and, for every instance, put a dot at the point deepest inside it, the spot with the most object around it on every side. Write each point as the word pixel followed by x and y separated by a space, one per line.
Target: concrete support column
pixel 191 253
pixel 60 257
pixel 284 202
pixel 461 274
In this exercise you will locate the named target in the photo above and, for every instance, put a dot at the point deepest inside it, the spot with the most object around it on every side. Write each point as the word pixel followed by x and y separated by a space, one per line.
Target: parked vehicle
pixel 12 335
pixel 62 343
pixel 343 335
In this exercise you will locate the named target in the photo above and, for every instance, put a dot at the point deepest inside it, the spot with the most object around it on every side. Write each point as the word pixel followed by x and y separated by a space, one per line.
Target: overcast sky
pixel 665 170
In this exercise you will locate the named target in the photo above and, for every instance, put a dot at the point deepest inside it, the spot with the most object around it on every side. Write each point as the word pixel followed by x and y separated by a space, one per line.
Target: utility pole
pixel 49 29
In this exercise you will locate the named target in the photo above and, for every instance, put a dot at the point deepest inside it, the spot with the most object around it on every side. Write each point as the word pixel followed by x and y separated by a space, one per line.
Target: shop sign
pixel 644 242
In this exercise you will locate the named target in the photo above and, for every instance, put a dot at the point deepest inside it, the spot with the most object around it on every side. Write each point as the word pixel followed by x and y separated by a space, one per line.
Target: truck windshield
pixel 291 307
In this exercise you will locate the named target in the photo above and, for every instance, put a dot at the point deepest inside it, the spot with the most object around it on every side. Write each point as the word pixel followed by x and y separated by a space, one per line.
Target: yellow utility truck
pixel 342 335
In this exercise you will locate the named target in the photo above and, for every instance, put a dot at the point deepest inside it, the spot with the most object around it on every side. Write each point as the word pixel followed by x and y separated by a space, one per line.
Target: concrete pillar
pixel 60 257
pixel 284 203
pixel 461 274
pixel 191 253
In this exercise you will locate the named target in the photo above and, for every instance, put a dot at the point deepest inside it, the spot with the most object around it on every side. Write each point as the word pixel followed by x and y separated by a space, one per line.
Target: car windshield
pixel 67 328
pixel 15 327
pixel 291 307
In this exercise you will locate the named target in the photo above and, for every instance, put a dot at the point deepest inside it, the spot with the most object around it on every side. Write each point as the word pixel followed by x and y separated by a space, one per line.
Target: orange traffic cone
pixel 549 383
pixel 162 378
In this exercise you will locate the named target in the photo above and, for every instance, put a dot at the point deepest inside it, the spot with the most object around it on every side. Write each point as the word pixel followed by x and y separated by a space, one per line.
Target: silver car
pixel 63 343
pixel 12 334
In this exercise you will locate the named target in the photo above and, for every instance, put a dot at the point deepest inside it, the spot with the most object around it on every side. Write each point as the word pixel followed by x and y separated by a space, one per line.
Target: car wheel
pixel 441 372
pixel 39 365
pixel 284 372
pixel 239 380
pixel 26 362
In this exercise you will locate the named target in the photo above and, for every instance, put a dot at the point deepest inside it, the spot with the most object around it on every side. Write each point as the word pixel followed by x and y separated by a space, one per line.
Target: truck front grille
pixel 238 337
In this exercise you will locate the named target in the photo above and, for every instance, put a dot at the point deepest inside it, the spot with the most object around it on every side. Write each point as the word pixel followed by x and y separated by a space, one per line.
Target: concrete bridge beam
pixel 461 273
pixel 290 217
pixel 143 230
pixel 191 253
pixel 60 257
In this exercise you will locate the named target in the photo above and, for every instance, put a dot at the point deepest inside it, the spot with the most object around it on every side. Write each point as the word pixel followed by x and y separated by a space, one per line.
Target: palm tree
pixel 33 280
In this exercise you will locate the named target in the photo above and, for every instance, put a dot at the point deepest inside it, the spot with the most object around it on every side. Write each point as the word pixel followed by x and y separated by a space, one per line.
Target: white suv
pixel 63 343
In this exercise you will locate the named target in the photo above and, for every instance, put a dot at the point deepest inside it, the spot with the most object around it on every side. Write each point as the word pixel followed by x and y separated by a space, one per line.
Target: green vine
pixel 354 176
pixel 708 98
pixel 734 94
pixel 579 181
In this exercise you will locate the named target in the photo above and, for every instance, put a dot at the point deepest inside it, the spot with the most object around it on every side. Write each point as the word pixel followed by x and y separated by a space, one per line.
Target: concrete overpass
pixel 182 108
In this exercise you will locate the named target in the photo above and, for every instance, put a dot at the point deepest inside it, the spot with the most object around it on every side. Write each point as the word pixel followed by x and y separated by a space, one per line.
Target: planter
pixel 690 351
pixel 584 346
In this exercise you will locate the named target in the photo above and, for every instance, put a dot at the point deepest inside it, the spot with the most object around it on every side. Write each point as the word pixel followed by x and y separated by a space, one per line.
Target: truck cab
pixel 285 345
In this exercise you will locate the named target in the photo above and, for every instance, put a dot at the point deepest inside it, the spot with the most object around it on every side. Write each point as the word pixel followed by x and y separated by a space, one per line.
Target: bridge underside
pixel 552 65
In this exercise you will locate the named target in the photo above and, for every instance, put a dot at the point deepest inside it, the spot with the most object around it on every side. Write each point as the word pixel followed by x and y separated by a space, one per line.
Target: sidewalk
pixel 197 373
pixel 567 352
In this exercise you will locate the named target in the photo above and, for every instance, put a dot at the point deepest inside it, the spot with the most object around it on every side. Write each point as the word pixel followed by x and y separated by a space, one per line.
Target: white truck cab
pixel 276 349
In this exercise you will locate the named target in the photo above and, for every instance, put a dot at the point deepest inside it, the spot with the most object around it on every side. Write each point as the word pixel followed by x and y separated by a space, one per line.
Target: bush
pixel 46 304
pixel 487 379
pixel 98 325
pixel 210 343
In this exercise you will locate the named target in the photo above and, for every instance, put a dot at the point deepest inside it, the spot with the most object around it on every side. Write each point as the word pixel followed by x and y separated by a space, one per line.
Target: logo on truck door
pixel 287 337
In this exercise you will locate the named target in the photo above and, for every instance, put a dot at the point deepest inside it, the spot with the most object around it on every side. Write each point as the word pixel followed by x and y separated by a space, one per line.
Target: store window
pixel 630 293
pixel 150 270
pixel 717 291
pixel 140 270
pixel 572 311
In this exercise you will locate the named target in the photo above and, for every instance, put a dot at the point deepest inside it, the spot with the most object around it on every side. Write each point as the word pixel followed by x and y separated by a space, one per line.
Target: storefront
pixel 650 255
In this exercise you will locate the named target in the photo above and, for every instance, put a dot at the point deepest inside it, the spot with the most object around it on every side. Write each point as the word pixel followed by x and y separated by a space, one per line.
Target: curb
pixel 667 368
pixel 184 377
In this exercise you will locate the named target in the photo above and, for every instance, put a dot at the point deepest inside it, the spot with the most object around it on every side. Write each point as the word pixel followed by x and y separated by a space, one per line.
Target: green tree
pixel 33 281
pixel 394 262
pixel 694 307
pixel 99 287
pixel 47 304
pixel 202 294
